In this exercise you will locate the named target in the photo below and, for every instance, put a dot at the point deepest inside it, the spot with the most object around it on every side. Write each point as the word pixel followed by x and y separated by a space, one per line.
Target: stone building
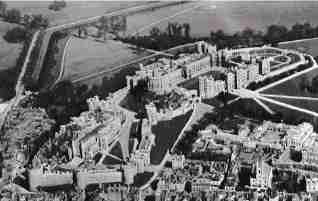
pixel 46 176
pixel 241 78
pixel 96 176
pixel 178 161
pixel 209 88
pixel 94 130
pixel 263 175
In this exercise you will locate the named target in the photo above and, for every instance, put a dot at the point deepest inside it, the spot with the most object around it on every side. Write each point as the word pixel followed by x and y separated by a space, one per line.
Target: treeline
pixel 177 34
pixel 14 15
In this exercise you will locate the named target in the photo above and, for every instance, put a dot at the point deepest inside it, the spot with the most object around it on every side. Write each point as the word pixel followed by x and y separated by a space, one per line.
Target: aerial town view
pixel 158 100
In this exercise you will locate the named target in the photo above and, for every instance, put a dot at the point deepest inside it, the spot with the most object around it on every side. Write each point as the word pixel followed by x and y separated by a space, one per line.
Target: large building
pixel 253 72
pixel 163 75
pixel 241 78
pixel 177 161
pixel 309 157
pixel 141 157
pixel 312 185
pixel 301 136
pixel 94 130
pixel 230 81
pixel 49 177
pixel 263 175
pixel 178 102
pixel 103 176
pixel 209 88
pixel 265 66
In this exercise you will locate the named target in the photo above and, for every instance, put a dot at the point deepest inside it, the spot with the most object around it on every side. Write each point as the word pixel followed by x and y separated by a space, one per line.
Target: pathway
pixel 315 66
pixel 290 97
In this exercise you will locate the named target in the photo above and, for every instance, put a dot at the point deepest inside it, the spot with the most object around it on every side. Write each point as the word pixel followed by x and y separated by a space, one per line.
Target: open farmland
pixel 74 10
pixel 84 57
pixel 9 52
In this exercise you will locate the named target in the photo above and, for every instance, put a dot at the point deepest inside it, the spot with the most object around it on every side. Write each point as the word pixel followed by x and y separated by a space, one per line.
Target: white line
pixel 296 41
pixel 289 106
pixel 18 86
pixel 290 97
pixel 263 105
pixel 62 67
pixel 286 79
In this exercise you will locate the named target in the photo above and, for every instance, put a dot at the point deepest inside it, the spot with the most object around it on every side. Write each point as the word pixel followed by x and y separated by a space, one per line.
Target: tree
pixel 295 155
pixel 186 27
pixel 39 21
pixel 3 7
pixel 16 35
pixel 24 128
pixel 104 26
pixel 13 15
pixel 57 5
pixel 275 34
pixel 155 32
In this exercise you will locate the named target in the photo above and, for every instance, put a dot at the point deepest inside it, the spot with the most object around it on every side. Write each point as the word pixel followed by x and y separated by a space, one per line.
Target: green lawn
pixel 142 178
pixel 86 56
pixel 166 133
pixel 309 46
pixel 9 52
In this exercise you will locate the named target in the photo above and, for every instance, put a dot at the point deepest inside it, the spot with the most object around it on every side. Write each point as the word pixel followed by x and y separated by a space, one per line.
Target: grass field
pixel 230 16
pixel 74 10
pixel 309 46
pixel 311 105
pixel 166 133
pixel 9 52
pixel 293 87
pixel 84 57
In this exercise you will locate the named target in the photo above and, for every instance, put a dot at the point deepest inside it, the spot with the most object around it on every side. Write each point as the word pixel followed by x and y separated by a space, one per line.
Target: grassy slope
pixel 84 57
pixel 9 52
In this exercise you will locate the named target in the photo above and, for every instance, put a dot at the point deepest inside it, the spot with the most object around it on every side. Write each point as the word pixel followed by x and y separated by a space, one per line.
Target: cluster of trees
pixel 25 128
pixel 216 117
pixel 57 5
pixel 16 35
pixel 14 16
pixel 176 34
pixel 288 181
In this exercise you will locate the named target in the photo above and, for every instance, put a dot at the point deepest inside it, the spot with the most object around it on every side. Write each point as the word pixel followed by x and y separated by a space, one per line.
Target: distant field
pixel 74 10
pixel 9 52
pixel 293 87
pixel 85 56
pixel 310 46
pixel 230 16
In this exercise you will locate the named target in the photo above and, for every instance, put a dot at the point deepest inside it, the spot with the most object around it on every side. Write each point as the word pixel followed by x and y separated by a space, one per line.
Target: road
pixel 315 66
pixel 19 88
pixel 48 32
